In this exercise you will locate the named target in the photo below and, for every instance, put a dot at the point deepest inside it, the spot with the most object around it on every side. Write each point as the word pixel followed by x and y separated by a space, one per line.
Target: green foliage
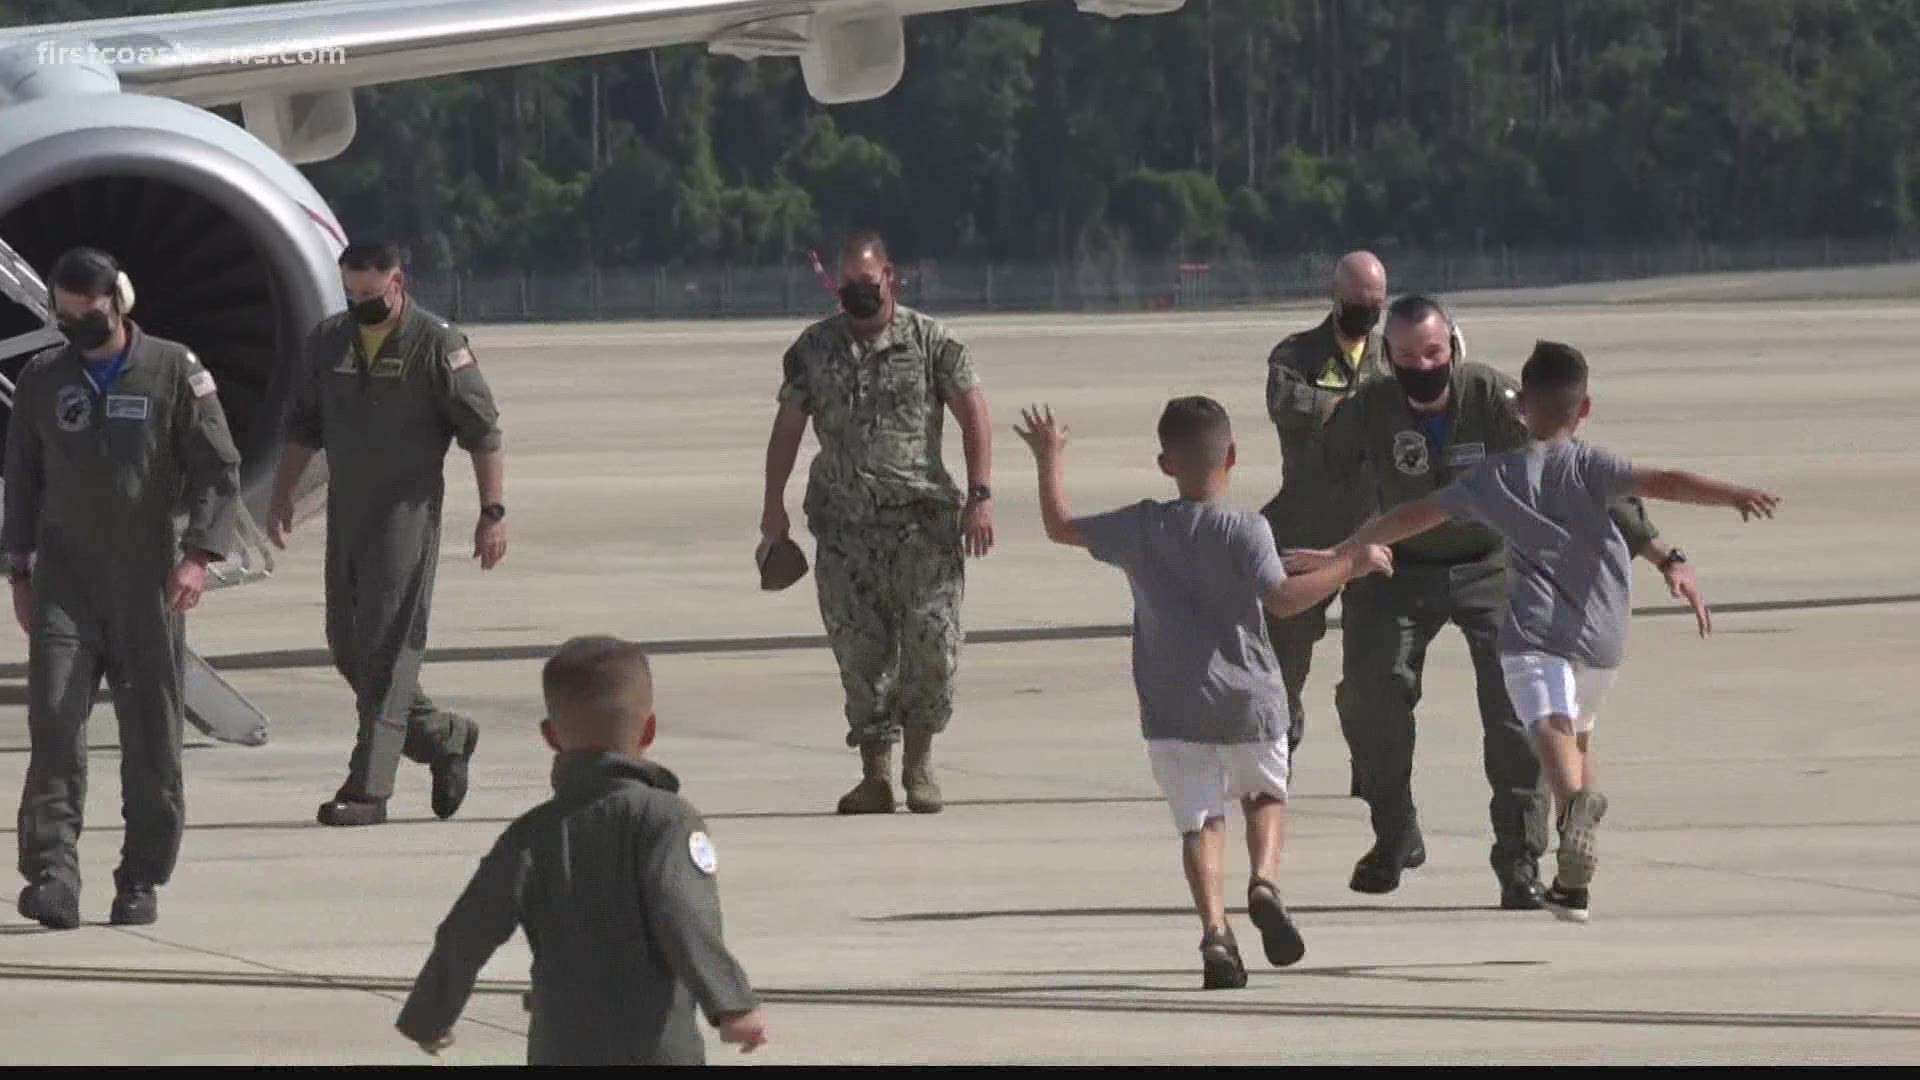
pixel 1270 126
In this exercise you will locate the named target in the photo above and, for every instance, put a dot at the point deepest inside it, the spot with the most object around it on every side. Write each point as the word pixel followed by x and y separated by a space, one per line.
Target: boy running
pixel 1567 582
pixel 1213 707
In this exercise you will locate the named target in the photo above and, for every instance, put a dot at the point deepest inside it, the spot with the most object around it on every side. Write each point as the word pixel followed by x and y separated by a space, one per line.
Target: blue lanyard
pixel 106 378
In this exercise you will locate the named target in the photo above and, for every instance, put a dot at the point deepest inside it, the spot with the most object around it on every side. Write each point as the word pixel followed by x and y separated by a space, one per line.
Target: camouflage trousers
pixel 890 598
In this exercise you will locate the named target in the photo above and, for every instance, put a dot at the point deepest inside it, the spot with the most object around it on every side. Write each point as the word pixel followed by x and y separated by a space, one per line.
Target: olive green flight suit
pixel 614 881
pixel 1308 374
pixel 386 423
pixel 95 477
pixel 1453 573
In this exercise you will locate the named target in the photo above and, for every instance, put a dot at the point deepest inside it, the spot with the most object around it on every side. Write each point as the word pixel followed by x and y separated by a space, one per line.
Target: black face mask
pixel 89 331
pixel 1423 387
pixel 372 311
pixel 1355 320
pixel 861 299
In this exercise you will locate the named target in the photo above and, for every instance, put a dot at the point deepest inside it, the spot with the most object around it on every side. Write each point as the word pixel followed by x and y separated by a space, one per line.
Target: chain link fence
pixel 954 286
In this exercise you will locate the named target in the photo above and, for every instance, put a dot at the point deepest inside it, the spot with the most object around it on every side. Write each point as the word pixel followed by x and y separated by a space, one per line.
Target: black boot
pixel 450 774
pixel 347 809
pixel 135 902
pixel 1378 871
pixel 51 902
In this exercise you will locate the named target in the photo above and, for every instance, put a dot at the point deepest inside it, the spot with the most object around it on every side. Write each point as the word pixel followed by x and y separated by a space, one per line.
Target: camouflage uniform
pixel 886 515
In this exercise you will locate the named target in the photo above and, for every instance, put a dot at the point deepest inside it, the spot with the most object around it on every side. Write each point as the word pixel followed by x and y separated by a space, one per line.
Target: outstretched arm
pixel 1676 485
pixel 1403 521
pixel 1048 441
pixel 1301 591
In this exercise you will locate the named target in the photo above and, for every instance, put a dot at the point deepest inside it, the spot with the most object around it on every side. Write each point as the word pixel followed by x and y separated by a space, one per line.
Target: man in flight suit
pixel 111 436
pixel 384 389
pixel 1412 434
pixel 1308 374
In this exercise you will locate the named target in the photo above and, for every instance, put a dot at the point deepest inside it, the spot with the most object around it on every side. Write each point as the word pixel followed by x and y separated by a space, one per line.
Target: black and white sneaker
pixel 1579 855
pixel 1220 964
pixel 1567 905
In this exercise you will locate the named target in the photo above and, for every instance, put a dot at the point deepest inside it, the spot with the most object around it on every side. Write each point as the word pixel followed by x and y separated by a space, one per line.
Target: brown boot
pixel 923 795
pixel 874 793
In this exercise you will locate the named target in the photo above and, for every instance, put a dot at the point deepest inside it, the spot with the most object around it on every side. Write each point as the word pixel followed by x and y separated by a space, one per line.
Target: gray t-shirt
pixel 1568 568
pixel 1202 664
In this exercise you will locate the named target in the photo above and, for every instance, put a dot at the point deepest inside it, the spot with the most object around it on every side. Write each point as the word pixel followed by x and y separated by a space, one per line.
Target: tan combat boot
pixel 874 793
pixel 923 795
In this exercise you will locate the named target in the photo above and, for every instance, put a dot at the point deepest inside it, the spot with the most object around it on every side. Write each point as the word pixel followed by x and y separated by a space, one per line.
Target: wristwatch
pixel 1674 558
pixel 979 493
pixel 493 511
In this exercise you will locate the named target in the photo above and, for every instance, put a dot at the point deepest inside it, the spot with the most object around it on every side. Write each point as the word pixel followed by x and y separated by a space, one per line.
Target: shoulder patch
pixel 201 383
pixel 459 358
pixel 700 849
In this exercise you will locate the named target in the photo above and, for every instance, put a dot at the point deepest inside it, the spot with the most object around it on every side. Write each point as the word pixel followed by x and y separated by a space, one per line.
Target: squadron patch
pixel 704 857
pixel 73 408
pixel 1410 454
pixel 201 383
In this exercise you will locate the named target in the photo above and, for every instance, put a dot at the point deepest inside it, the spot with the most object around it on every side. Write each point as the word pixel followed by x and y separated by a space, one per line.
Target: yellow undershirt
pixel 1335 377
pixel 373 337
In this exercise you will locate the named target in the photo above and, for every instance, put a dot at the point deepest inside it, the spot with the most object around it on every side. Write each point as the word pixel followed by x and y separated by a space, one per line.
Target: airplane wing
pixel 218 57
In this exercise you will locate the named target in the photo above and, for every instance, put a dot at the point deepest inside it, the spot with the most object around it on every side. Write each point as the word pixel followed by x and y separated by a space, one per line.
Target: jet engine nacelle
pixel 231 250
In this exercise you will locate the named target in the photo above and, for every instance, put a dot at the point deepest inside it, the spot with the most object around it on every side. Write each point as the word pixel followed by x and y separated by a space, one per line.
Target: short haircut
pixel 1554 379
pixel 1195 431
pixel 1415 308
pixel 371 255
pixel 862 242
pixel 85 271
pixel 598 688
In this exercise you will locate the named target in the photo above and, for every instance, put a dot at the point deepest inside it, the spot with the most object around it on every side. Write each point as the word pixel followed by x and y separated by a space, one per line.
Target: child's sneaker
pixel 1567 905
pixel 1278 935
pixel 1220 964
pixel 1578 856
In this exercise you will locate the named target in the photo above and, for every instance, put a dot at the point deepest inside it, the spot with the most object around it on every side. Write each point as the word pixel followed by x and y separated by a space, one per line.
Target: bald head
pixel 599 693
pixel 1359 292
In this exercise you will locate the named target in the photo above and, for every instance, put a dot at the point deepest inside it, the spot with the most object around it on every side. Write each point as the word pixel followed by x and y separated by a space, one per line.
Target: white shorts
pixel 1542 686
pixel 1200 780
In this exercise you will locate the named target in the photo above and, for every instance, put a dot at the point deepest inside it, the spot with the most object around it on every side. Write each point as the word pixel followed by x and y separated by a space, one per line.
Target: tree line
pixel 1247 127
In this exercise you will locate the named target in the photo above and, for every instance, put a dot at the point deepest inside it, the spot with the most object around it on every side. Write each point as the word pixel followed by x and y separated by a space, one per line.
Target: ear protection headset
pixel 1414 300
pixel 123 291
pixel 123 295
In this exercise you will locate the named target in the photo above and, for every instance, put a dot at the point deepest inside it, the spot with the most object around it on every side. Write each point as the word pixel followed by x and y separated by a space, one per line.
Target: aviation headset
pixel 95 259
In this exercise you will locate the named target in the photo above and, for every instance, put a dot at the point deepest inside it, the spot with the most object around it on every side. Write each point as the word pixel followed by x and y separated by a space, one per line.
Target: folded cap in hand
pixel 781 563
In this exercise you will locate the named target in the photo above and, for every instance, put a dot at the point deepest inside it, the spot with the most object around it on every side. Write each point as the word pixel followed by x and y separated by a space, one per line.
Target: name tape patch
pixel 1470 453
pixel 126 407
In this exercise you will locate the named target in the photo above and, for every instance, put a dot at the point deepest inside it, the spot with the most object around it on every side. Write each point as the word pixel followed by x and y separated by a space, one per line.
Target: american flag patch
pixel 201 383
pixel 459 358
